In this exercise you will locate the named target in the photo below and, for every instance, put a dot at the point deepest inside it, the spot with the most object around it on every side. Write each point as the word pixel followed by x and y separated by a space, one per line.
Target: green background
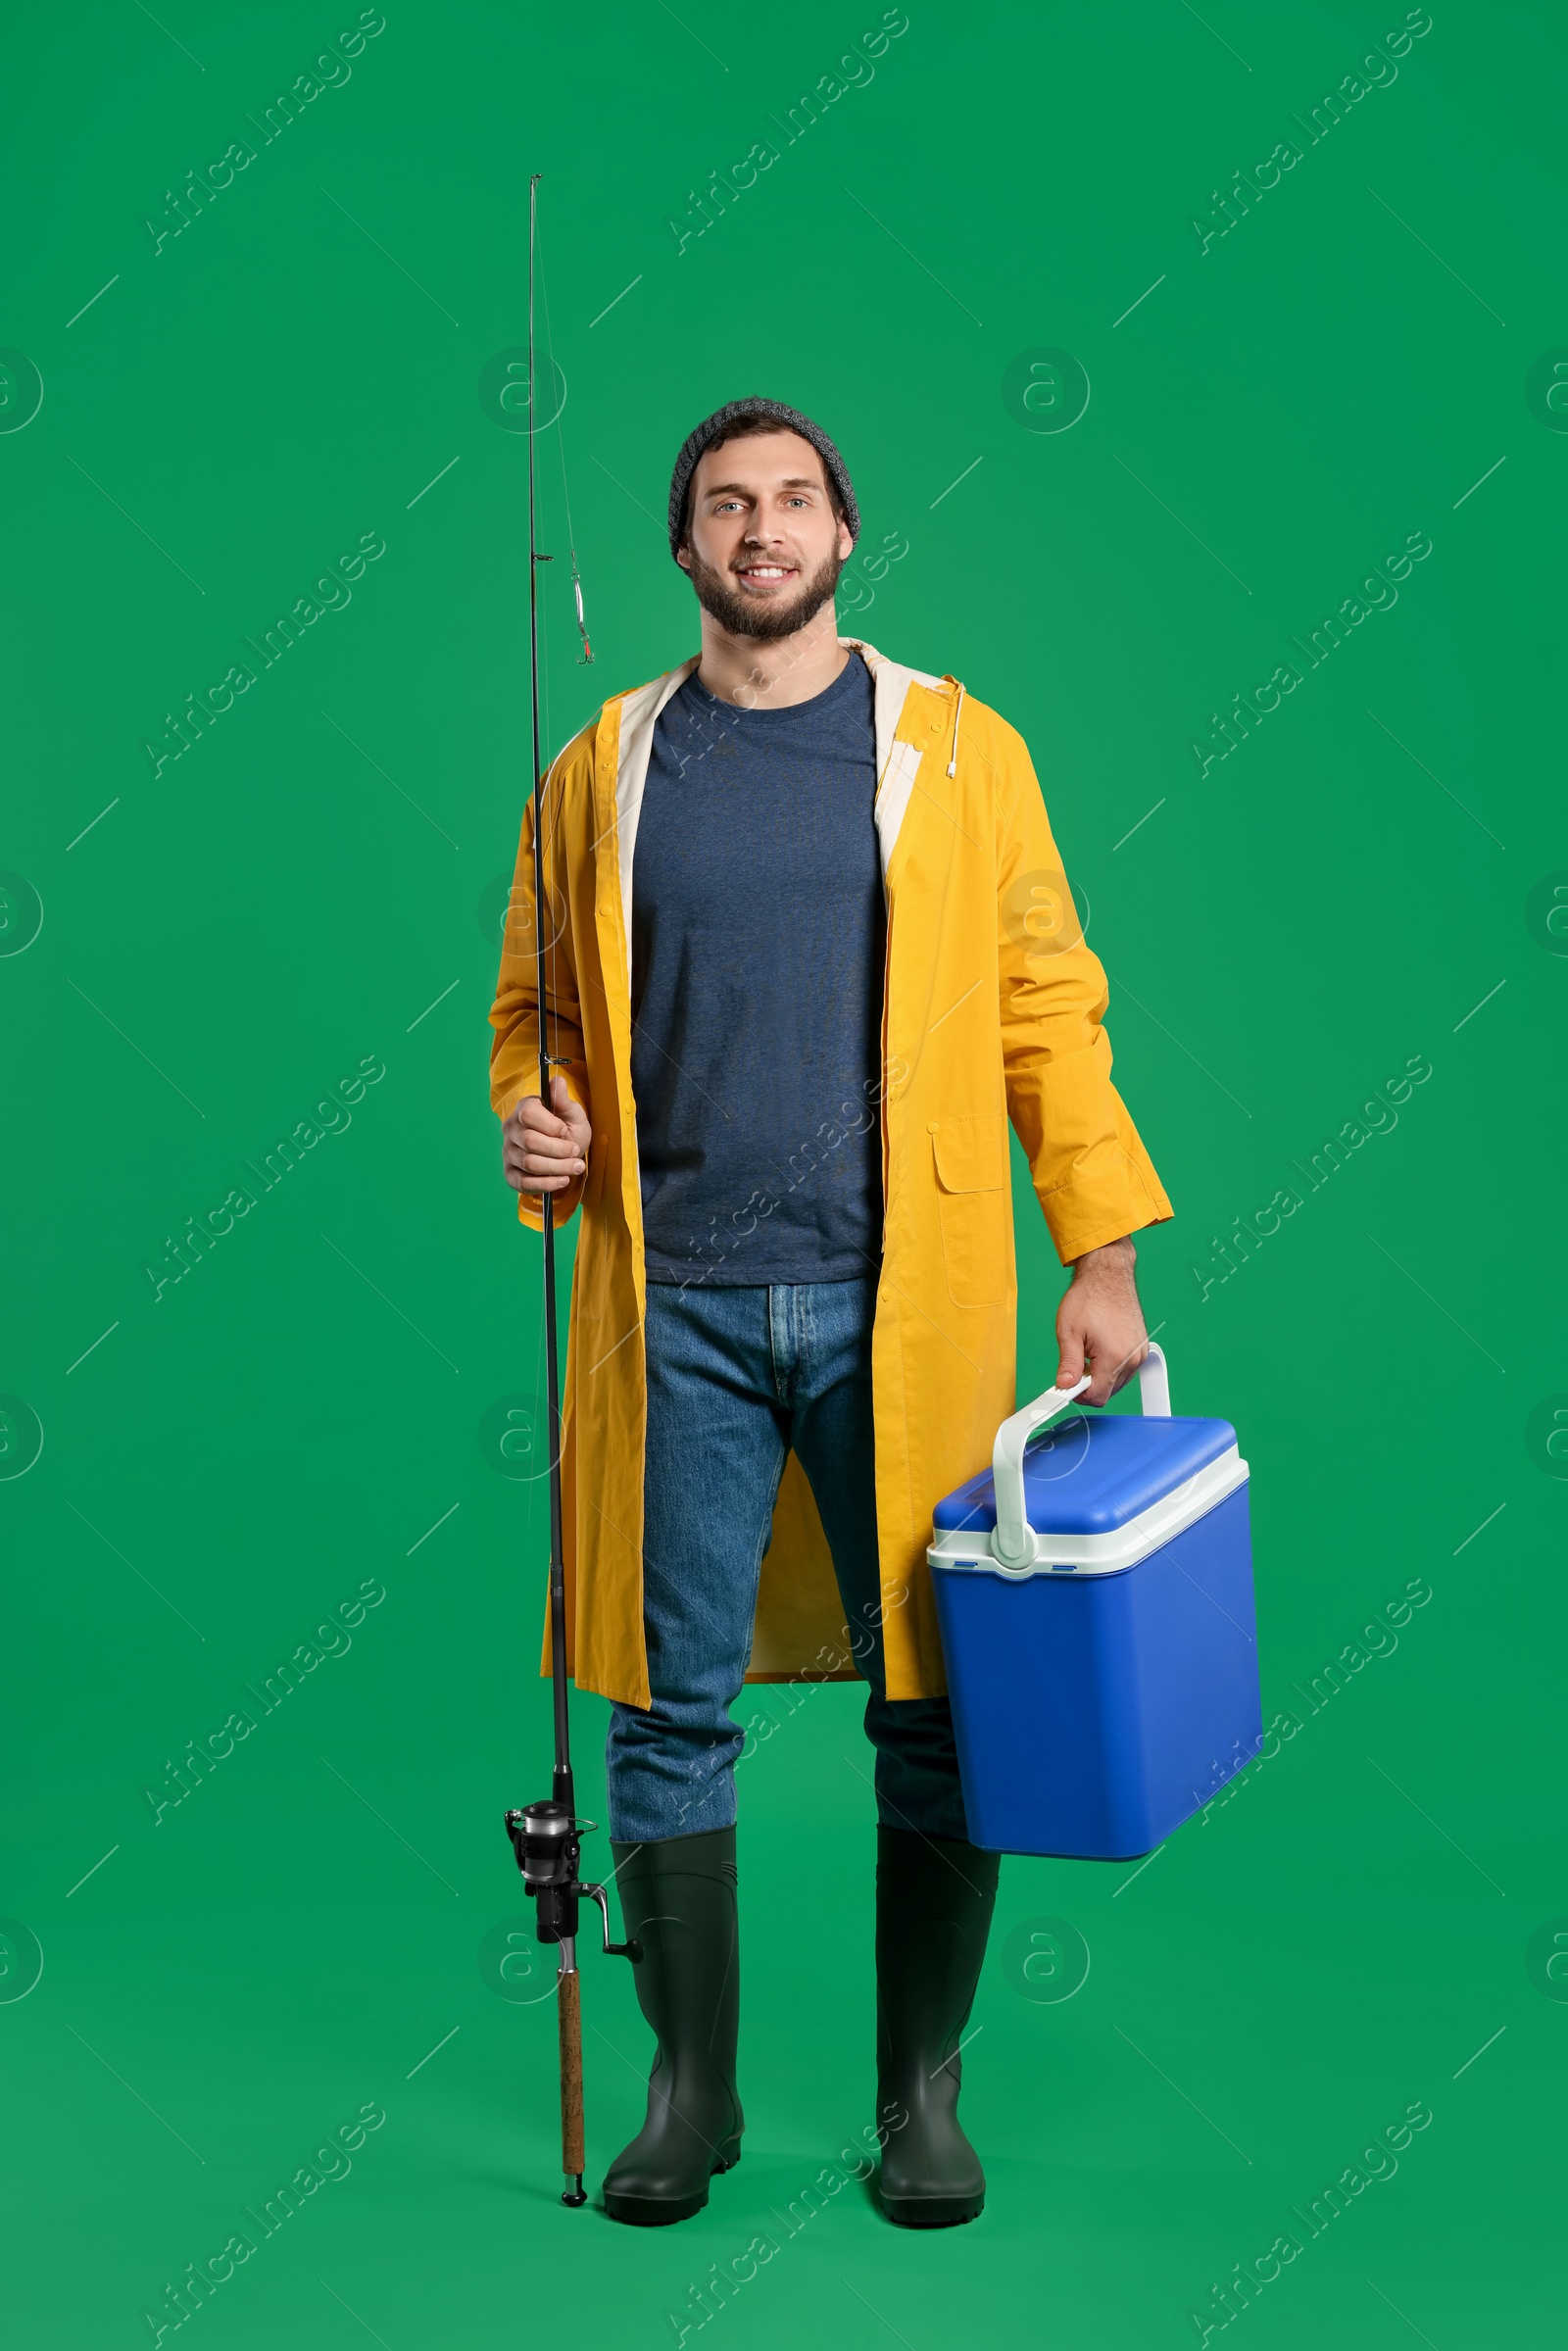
pixel 1353 887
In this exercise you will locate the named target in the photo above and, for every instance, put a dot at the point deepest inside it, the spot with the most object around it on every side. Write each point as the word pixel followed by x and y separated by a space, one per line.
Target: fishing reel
pixel 547 1840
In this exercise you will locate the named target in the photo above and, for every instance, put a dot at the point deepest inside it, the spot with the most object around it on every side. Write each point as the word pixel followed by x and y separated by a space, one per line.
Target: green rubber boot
pixel 677 1897
pixel 934 1900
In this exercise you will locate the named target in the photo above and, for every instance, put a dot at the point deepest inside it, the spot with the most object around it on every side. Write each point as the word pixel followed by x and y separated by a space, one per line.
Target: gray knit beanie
pixel 714 430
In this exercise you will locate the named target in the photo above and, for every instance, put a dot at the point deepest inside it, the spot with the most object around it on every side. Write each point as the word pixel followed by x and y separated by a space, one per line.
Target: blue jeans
pixel 736 1377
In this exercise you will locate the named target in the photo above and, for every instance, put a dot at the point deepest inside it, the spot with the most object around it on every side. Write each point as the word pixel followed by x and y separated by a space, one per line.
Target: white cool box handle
pixel 1015 1543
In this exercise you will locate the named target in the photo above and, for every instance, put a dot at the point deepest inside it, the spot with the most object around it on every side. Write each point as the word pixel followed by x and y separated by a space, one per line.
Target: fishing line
pixel 587 654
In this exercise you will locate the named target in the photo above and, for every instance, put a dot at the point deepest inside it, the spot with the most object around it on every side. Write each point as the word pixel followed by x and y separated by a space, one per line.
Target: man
pixel 811 948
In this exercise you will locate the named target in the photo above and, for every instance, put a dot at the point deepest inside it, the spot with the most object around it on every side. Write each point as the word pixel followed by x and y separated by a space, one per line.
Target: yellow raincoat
pixel 991 1006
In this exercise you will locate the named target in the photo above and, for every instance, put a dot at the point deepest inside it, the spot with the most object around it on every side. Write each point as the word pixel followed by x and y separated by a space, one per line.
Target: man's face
pixel 765 546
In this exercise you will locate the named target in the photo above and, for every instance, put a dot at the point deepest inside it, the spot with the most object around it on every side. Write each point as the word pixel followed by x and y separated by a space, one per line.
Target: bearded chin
pixel 764 623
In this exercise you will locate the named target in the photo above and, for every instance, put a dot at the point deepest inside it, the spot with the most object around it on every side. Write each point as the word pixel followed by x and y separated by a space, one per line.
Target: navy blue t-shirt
pixel 758 944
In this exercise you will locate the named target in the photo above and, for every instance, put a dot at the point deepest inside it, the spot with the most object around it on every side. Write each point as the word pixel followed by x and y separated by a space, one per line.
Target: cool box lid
pixel 1091 1474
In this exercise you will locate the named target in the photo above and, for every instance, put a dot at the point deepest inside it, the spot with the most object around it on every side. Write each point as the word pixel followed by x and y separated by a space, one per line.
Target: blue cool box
pixel 1099 1632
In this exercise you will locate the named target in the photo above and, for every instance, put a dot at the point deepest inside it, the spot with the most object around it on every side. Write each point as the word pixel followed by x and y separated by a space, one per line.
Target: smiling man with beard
pixel 811 948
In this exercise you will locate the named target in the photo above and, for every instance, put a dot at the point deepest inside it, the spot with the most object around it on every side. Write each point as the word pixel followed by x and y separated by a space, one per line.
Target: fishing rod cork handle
pixel 568 2021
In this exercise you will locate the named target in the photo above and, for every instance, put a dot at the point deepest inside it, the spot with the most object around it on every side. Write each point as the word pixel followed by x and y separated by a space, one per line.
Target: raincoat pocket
pixel 972 1169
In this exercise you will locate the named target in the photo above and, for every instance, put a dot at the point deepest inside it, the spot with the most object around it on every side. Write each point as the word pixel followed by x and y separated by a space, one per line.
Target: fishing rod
pixel 546 1837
